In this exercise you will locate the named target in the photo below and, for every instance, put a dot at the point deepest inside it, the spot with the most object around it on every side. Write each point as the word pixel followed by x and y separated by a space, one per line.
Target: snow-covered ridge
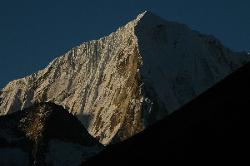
pixel 119 84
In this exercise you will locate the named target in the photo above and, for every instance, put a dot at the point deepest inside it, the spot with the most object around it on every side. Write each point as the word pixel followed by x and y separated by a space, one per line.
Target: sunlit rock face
pixel 123 82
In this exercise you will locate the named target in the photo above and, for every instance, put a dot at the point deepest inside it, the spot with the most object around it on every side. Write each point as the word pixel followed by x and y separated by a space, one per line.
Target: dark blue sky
pixel 33 32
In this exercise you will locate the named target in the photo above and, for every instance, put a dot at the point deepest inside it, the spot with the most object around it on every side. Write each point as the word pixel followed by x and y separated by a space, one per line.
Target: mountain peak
pixel 142 14
pixel 123 82
pixel 147 16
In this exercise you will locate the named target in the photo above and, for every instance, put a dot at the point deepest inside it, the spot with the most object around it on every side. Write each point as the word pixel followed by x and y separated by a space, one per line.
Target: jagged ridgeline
pixel 123 82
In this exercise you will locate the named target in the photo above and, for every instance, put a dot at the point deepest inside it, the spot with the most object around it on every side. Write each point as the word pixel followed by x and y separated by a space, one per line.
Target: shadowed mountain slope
pixel 44 134
pixel 213 127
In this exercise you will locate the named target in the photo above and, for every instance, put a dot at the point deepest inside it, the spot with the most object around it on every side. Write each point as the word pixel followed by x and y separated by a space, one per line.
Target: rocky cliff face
pixel 121 83
pixel 212 128
pixel 44 134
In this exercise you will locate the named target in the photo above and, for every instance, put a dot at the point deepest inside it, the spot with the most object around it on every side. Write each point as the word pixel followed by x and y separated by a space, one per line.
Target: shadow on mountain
pixel 85 119
pixel 44 134
pixel 213 127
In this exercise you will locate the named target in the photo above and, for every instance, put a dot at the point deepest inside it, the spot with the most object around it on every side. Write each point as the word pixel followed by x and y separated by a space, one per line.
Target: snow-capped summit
pixel 123 82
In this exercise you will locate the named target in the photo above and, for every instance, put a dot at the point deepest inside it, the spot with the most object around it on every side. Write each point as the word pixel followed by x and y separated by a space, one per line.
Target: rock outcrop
pixel 45 134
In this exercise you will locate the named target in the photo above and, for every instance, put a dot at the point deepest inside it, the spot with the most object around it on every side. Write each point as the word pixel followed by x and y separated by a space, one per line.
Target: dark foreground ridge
pixel 213 127
pixel 44 134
